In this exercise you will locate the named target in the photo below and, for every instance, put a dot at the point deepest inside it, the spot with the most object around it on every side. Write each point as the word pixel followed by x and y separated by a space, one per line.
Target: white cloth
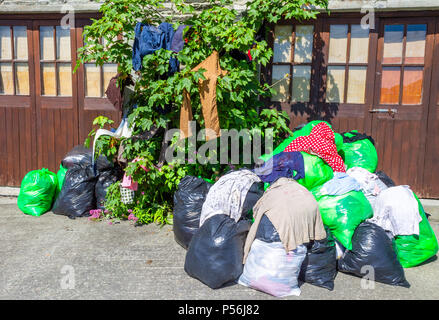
pixel 396 211
pixel 124 130
pixel 228 194
pixel 270 269
pixel 370 183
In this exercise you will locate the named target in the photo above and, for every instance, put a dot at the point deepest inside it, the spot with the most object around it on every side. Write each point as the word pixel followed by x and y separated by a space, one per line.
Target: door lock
pixel 391 112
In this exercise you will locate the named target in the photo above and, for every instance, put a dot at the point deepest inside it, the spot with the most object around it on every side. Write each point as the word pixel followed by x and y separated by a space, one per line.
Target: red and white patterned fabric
pixel 321 143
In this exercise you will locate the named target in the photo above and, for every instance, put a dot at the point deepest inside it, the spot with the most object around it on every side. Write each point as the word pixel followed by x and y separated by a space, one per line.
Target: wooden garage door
pixel 380 82
pixel 17 101
pixel 45 108
pixel 56 92
pixel 402 93
pixel 347 74
pixel 431 171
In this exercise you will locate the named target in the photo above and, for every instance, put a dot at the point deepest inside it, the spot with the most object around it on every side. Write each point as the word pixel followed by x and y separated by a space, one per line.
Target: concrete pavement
pixel 53 257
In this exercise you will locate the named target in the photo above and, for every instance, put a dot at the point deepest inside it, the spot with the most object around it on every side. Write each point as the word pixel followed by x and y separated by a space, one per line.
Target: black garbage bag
pixel 385 178
pixel 320 265
pixel 80 155
pixel 372 247
pixel 188 202
pixel 253 195
pixel 216 251
pixel 77 196
pixel 266 231
pixel 105 179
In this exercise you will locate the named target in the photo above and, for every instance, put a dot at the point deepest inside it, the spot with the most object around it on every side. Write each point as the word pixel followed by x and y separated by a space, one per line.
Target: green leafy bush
pixel 239 93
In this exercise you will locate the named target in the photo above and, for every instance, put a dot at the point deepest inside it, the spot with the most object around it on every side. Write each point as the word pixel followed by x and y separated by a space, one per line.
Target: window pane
pixel 63 51
pixel 5 42
pixel 393 37
pixel 390 85
pixel 20 42
pixel 338 42
pixel 281 83
pixel 335 84
pixel 109 71
pixel 65 79
pixel 92 80
pixel 415 47
pixel 47 51
pixel 48 77
pixel 412 85
pixel 356 84
pixel 22 78
pixel 6 79
pixel 359 50
pixel 303 44
pixel 282 43
pixel 301 83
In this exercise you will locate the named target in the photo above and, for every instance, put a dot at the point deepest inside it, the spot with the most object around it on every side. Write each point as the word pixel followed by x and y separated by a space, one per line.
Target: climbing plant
pixel 239 93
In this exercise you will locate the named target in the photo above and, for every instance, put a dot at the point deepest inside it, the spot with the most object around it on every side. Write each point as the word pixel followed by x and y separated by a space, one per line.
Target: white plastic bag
pixel 270 269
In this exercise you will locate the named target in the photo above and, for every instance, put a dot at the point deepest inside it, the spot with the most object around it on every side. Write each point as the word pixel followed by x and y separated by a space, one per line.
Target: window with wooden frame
pixel 347 64
pixel 55 61
pixel 292 62
pixel 14 61
pixel 403 64
pixel 97 78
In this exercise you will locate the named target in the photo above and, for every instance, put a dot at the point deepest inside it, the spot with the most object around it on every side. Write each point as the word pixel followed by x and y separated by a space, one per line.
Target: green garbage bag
pixel 360 153
pixel 338 141
pixel 61 174
pixel 317 172
pixel 343 213
pixel 412 250
pixel 37 192
pixel 280 148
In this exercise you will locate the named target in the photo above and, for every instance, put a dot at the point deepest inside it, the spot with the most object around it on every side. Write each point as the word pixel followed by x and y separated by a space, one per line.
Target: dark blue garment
pixel 177 43
pixel 266 231
pixel 148 39
pixel 283 164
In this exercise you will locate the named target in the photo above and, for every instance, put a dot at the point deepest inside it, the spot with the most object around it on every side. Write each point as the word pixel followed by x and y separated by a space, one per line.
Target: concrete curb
pixel 431 206
pixel 9 191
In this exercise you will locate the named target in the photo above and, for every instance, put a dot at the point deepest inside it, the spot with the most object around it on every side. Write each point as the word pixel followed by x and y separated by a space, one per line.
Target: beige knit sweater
pixel 292 210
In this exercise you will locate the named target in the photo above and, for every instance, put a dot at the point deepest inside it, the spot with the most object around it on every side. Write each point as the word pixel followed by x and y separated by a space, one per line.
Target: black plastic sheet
pixel 320 265
pixel 77 196
pixel 188 202
pixel 216 251
pixel 106 179
pixel 371 247
pixel 80 155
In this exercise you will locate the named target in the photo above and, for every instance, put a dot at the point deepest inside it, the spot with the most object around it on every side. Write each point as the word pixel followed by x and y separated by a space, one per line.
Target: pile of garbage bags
pixel 298 216
pixel 78 187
